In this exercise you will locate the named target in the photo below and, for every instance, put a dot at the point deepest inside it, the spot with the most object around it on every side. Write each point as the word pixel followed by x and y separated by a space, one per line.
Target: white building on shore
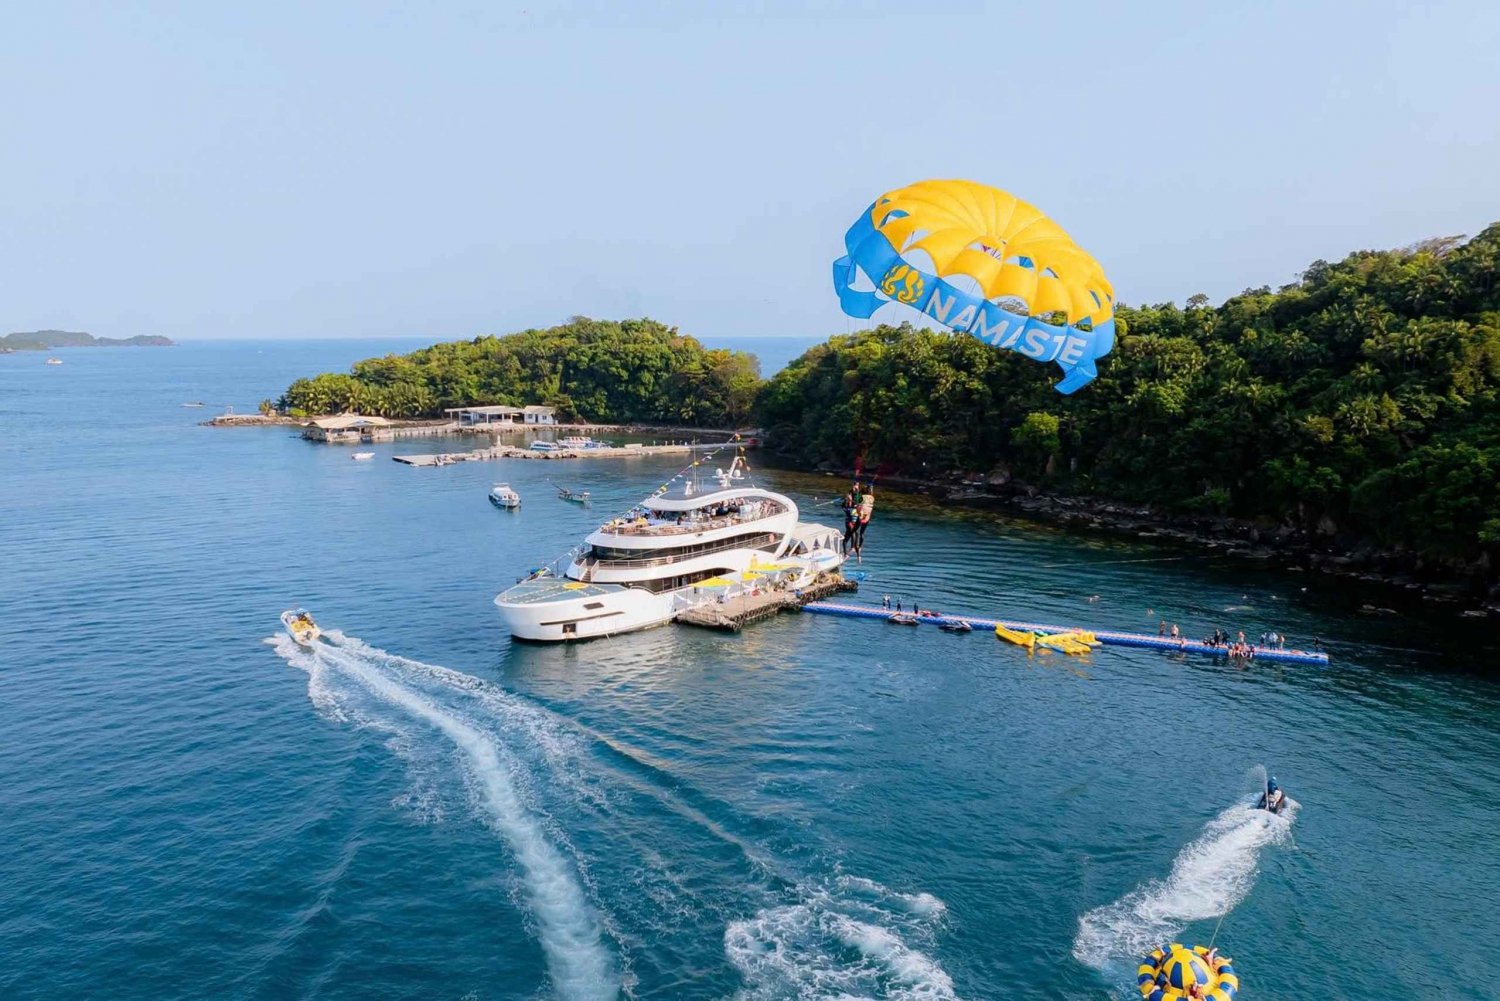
pixel 500 414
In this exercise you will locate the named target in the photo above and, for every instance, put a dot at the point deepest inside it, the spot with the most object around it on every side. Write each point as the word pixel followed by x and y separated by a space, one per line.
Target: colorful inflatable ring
pixel 1170 974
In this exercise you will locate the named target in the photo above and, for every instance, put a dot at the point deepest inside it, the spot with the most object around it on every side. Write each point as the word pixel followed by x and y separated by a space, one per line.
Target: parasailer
pixel 981 261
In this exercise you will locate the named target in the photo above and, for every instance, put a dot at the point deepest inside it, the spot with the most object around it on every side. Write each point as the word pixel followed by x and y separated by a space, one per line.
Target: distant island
pixel 42 340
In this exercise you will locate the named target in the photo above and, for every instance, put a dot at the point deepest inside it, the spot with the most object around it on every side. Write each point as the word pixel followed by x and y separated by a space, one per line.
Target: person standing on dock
pixel 885 602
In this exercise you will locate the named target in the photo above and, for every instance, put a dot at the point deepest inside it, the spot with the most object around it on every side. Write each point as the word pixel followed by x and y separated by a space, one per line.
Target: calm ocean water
pixel 815 808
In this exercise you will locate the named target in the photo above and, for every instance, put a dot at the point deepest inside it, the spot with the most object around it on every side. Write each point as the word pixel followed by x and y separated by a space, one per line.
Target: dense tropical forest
pixel 1363 399
pixel 595 370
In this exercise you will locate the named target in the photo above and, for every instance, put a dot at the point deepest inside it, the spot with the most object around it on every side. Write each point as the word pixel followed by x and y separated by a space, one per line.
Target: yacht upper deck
pixel 653 520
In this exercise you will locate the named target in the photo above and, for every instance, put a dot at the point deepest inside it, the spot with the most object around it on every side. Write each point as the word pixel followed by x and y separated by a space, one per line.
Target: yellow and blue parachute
pixel 981 261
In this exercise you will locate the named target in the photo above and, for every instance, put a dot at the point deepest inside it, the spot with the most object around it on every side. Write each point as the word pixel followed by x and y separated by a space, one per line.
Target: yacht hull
pixel 591 616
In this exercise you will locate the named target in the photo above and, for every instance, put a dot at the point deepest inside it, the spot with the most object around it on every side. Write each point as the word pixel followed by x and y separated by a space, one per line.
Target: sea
pixel 815 808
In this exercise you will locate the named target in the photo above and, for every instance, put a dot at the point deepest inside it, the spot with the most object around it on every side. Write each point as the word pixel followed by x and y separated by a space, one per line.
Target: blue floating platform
pixel 1105 636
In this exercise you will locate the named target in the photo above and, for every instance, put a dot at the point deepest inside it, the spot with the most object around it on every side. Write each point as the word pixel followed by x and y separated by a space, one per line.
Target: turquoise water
pixel 815 808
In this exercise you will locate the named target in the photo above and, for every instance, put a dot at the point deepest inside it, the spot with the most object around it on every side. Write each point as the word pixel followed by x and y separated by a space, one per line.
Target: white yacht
pixel 641 570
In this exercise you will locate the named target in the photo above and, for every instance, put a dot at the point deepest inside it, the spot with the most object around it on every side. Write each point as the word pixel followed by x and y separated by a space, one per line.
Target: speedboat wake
pixel 349 681
pixel 1209 878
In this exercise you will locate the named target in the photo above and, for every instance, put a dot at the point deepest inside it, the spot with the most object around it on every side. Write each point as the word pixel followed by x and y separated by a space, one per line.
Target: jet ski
pixel 1273 799
pixel 300 626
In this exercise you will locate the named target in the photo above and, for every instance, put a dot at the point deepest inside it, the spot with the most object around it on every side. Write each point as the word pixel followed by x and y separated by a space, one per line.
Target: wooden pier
pixel 733 614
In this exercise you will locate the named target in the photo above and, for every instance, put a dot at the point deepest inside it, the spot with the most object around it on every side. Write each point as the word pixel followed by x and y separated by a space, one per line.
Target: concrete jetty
pixel 512 452
pixel 1106 637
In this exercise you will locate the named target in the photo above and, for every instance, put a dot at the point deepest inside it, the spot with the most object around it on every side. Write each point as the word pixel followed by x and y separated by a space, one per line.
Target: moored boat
pixel 501 495
pixel 665 556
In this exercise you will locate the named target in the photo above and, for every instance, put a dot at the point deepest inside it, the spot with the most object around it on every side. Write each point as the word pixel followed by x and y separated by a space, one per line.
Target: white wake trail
pixel 848 940
pixel 578 962
pixel 1209 878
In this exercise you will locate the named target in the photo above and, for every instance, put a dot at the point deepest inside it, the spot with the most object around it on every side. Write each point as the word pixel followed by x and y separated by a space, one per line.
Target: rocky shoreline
pixel 1471 589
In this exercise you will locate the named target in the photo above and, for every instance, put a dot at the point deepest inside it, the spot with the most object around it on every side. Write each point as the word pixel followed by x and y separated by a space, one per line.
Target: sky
pixel 447 169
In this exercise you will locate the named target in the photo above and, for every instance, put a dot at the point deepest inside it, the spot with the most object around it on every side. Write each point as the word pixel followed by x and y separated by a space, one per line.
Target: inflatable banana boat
pixel 1073 643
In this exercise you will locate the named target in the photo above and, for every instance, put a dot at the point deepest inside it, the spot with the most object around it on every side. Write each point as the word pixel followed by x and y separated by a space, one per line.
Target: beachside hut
pixel 539 415
pixel 344 428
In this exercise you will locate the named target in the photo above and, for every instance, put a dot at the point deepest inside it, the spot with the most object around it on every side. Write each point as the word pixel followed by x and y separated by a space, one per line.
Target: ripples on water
pixel 811 809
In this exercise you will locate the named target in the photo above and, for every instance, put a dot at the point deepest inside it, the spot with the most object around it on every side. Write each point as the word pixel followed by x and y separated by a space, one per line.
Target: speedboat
pixel 300 626
pixel 903 619
pixel 641 569
pixel 362 456
pixel 54 361
pixel 955 626
pixel 545 446
pixel 501 495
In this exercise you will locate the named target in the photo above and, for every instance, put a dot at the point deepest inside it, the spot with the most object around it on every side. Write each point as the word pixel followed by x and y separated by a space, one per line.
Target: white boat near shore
pixel 362 456
pixel 501 495
pixel 672 552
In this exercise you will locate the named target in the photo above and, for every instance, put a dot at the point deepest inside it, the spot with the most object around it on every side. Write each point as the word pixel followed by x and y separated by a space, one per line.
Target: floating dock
pixel 1107 637
pixel 733 614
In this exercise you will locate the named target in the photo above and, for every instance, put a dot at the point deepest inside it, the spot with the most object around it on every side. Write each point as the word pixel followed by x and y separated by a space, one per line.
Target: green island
pixel 42 340
pixel 1359 403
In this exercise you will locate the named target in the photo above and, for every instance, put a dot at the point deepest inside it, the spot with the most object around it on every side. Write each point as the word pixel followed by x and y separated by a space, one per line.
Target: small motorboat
pixel 903 619
pixel 501 495
pixel 300 626
pixel 955 626
pixel 54 361
pixel 362 456
pixel 544 446
pixel 193 403
pixel 576 497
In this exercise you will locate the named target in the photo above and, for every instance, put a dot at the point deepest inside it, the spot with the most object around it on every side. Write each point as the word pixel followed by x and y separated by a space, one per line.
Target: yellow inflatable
pixel 1016 636
pixel 1178 973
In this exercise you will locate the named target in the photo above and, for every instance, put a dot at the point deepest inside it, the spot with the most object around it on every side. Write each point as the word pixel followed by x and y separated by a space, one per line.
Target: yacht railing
pixel 766 509
pixel 590 563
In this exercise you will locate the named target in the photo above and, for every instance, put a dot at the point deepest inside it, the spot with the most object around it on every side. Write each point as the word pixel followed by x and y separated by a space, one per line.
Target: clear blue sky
pixel 295 170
